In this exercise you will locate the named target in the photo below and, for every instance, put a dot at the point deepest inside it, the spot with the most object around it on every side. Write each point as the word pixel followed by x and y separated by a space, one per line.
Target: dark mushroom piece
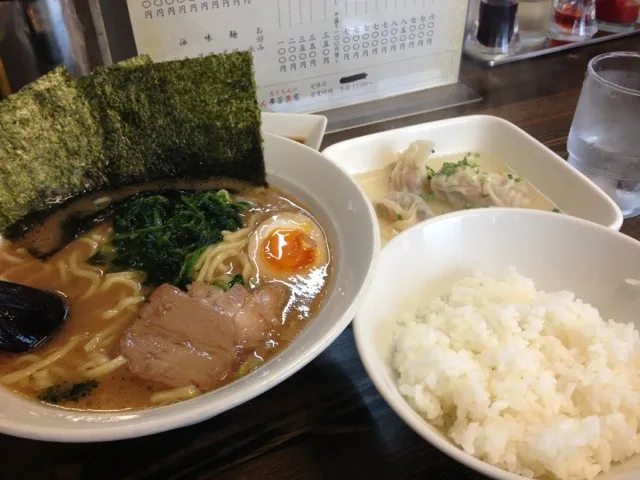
pixel 28 316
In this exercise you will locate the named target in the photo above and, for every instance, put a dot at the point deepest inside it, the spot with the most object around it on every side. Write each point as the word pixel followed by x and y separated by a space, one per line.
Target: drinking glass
pixel 617 15
pixel 573 20
pixel 604 141
pixel 533 20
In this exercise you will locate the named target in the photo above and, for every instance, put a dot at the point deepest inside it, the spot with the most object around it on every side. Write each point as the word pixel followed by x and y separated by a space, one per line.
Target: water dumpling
pixel 406 209
pixel 409 174
pixel 503 190
pixel 463 185
pixel 458 184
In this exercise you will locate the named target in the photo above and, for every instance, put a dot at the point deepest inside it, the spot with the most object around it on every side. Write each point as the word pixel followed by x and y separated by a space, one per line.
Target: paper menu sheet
pixel 313 55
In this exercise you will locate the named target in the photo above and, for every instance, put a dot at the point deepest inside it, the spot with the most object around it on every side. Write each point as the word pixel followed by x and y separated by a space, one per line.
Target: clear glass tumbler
pixel 533 20
pixel 604 141
pixel 573 20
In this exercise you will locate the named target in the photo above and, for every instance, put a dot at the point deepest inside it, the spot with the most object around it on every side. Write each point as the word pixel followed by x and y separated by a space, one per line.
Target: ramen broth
pixel 102 305
pixel 375 183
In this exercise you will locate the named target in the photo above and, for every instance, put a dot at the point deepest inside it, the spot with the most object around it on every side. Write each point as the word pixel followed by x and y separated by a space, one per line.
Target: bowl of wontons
pixel 415 173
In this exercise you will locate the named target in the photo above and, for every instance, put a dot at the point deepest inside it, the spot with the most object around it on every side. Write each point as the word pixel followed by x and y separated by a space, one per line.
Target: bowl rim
pixel 313 137
pixel 388 390
pixel 177 415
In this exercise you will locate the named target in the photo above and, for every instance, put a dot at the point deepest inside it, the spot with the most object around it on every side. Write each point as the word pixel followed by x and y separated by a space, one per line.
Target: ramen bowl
pixel 350 225
pixel 599 265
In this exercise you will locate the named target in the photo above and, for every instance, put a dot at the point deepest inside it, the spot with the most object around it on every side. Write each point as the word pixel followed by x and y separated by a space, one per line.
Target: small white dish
pixel 568 189
pixel 557 251
pixel 306 129
pixel 350 223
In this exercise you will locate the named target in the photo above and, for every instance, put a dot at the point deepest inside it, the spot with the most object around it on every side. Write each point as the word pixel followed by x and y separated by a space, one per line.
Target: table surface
pixel 327 421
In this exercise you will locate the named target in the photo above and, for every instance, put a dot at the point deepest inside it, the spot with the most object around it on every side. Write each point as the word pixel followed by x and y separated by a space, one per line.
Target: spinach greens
pixel 67 392
pixel 163 235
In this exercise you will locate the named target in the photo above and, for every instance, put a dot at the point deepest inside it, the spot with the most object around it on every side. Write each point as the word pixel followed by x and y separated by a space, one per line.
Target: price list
pixel 313 55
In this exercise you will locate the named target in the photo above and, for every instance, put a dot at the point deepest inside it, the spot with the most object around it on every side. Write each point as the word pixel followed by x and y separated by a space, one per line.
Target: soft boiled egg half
pixel 286 245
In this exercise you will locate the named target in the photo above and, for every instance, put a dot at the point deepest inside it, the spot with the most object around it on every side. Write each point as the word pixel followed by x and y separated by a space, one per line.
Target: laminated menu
pixel 313 55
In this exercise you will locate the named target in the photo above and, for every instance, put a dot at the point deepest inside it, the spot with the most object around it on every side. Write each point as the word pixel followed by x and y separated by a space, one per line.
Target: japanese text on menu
pixel 313 54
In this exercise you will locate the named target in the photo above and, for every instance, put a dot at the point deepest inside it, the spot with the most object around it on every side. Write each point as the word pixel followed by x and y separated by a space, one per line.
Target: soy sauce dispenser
pixel 493 29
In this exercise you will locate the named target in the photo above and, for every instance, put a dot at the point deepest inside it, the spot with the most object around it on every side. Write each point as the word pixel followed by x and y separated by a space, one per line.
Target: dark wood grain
pixel 327 421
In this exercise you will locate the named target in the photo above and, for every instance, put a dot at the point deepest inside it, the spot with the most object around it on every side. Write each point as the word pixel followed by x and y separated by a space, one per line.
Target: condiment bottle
pixel 494 33
pixel 573 20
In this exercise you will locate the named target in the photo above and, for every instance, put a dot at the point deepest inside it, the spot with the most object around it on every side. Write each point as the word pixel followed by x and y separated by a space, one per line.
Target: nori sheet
pixel 31 169
pixel 186 117
pixel 132 122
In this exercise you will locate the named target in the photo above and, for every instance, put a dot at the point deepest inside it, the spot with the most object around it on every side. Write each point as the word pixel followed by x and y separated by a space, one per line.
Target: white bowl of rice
pixel 508 339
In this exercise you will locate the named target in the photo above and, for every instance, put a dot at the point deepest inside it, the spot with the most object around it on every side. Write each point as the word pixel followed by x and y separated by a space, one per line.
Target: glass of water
pixel 604 142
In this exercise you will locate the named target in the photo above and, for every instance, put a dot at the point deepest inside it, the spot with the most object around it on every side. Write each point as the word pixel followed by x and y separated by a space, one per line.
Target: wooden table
pixel 327 421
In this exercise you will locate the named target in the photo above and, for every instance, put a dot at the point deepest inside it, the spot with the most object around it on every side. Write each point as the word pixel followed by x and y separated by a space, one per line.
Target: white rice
pixel 535 383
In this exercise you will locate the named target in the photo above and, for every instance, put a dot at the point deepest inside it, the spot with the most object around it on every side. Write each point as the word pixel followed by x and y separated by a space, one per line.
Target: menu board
pixel 313 55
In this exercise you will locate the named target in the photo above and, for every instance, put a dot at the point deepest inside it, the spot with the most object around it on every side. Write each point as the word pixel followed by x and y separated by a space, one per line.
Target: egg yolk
pixel 289 250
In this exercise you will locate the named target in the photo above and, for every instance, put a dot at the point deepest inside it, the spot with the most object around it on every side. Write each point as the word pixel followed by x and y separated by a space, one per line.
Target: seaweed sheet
pixel 132 122
pixel 50 144
pixel 35 166
pixel 185 117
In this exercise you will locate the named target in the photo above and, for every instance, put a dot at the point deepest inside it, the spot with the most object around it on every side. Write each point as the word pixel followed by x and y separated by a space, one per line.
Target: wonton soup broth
pixel 103 305
pixel 375 184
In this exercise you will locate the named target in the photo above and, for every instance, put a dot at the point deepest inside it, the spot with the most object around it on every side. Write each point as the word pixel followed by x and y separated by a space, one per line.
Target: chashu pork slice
pixel 182 339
